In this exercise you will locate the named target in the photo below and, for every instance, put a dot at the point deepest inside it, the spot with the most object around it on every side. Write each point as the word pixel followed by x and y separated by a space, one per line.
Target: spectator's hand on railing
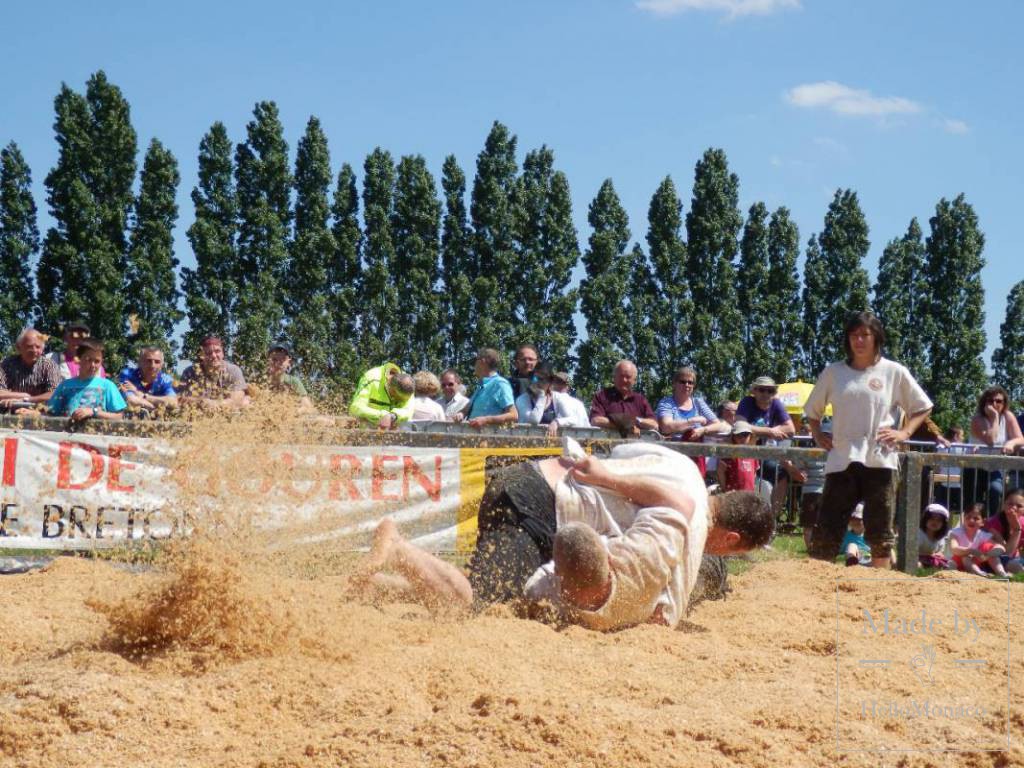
pixel 777 433
pixel 387 421
pixel 824 440
pixel 459 418
pixel 553 429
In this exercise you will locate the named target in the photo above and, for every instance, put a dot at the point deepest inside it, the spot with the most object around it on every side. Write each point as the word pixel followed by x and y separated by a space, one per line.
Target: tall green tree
pixel 901 299
pixel 1008 360
pixel 817 349
pixel 753 294
pixel 90 194
pixel 644 343
pixel 844 245
pixel 307 289
pixel 345 277
pixel 491 214
pixel 19 243
pixel 458 270
pixel 151 277
pixel 712 228
pixel 380 297
pixel 956 315
pixel 669 310
pixel 547 250
pixel 263 183
pixel 211 289
pixel 415 222
pixel 604 290
pixel 785 324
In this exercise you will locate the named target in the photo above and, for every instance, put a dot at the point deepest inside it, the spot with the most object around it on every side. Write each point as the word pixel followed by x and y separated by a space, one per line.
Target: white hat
pixel 937 509
pixel 858 512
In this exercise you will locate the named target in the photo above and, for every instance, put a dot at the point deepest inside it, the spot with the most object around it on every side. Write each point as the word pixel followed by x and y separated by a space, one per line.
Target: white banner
pixel 61 491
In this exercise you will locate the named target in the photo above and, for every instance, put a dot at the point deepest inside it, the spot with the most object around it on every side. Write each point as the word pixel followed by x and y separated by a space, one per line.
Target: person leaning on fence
pixel 523 365
pixel 27 378
pixel 281 381
pixel 88 395
pixel 620 406
pixel 383 397
pixel 425 407
pixel 66 359
pixel 540 404
pixel 994 429
pixel 771 424
pixel 576 414
pixel 492 403
pixel 862 459
pixel 213 383
pixel 146 386
pixel 453 394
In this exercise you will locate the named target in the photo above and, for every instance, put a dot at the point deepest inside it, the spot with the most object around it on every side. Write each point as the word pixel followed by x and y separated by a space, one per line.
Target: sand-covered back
pixel 245 666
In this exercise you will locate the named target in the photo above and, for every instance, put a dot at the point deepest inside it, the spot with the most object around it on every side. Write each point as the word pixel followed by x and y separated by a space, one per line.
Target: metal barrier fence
pixel 923 476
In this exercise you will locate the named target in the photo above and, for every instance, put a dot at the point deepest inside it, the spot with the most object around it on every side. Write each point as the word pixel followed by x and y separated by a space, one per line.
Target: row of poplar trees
pixel 401 270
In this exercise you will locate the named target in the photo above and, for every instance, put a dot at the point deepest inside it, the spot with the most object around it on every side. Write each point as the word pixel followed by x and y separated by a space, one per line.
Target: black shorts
pixel 515 533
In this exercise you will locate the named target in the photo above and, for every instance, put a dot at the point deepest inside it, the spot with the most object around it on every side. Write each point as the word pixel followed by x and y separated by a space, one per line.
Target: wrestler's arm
pixel 642 491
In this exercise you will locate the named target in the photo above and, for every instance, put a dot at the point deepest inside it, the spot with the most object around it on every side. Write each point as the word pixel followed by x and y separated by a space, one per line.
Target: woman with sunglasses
pixel 996 429
pixel 685 416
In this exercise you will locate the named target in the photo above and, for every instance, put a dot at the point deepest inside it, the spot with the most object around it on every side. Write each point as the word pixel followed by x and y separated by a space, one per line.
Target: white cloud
pixel 775 161
pixel 844 100
pixel 732 9
pixel 958 127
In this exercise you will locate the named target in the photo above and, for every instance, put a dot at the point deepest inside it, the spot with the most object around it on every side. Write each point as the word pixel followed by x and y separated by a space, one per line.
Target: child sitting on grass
pixel 1005 528
pixel 974 548
pixel 854 547
pixel 932 537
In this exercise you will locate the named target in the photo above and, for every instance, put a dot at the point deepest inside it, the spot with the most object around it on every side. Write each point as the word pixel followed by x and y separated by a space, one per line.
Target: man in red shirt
pixel 619 407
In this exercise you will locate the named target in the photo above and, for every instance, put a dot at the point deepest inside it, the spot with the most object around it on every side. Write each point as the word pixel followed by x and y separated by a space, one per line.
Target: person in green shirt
pixel 383 397
pixel 279 363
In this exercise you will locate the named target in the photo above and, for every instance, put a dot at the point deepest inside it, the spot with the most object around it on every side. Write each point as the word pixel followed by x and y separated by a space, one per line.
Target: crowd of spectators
pixel 73 383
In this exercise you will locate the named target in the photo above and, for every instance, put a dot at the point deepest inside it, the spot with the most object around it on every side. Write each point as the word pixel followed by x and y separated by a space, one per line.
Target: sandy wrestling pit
pixel 213 662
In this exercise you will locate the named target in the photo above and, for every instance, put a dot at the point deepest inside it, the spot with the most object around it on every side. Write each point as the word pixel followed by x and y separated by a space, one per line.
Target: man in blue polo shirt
pixel 147 387
pixel 492 403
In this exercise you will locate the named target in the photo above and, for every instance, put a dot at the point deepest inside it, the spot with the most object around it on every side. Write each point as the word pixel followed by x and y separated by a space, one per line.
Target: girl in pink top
pixel 1006 527
pixel 972 547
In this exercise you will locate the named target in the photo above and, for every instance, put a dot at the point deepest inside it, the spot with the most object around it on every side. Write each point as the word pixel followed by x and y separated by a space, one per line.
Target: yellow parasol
pixel 794 394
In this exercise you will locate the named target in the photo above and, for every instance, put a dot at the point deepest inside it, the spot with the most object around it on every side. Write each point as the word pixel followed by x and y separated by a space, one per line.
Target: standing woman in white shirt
pixel 862 460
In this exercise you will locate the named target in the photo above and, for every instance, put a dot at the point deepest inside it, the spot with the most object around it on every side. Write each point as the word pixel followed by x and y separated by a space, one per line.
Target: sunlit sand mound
pixel 747 681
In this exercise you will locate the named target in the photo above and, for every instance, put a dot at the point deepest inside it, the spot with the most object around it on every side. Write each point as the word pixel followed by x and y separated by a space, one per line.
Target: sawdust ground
pixel 247 667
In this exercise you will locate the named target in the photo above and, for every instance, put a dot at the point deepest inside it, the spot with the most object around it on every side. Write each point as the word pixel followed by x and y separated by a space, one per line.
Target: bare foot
pixel 385 537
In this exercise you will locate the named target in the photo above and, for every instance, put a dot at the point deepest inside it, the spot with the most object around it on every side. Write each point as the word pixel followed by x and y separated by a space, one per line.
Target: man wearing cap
pixel 770 423
pixel 618 406
pixel 215 383
pixel 67 361
pixel 28 377
pixel 492 403
pixel 576 411
pixel 281 380
pixel 383 397
pixel 147 386
pixel 541 404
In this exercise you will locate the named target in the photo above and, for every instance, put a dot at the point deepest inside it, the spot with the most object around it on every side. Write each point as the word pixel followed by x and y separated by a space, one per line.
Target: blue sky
pixel 905 102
